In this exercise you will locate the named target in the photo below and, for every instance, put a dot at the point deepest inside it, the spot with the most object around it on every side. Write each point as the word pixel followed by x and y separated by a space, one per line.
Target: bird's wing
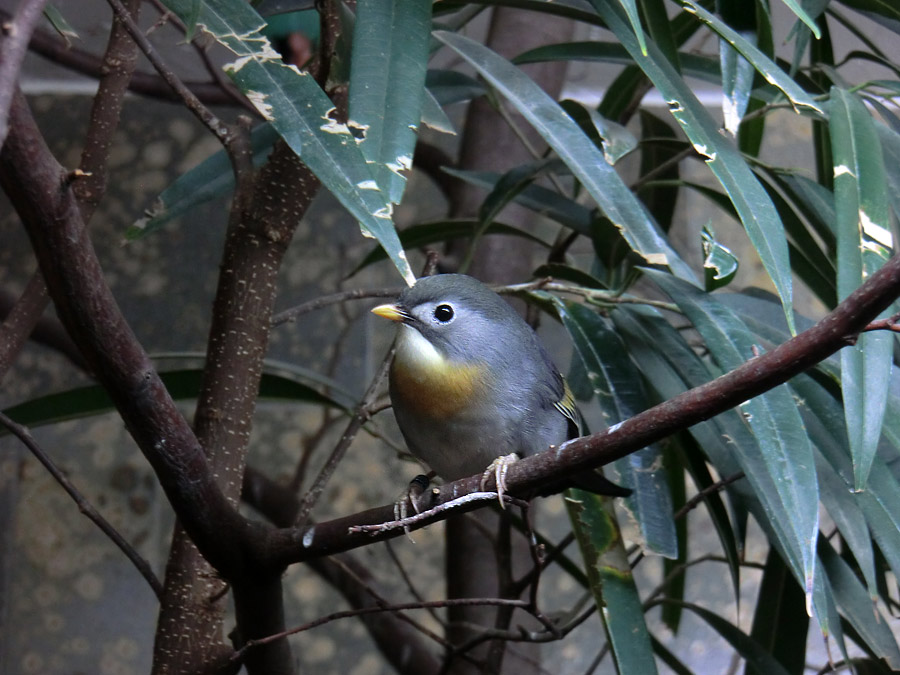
pixel 566 405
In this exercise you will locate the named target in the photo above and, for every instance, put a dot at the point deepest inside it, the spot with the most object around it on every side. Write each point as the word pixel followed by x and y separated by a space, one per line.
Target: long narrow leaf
pixel 620 394
pixel 616 596
pixel 583 158
pixel 756 210
pixel 302 113
pixel 763 64
pixel 773 417
pixel 387 84
pixel 864 243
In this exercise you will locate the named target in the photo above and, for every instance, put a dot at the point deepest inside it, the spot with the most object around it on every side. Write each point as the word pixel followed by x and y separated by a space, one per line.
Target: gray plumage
pixel 471 382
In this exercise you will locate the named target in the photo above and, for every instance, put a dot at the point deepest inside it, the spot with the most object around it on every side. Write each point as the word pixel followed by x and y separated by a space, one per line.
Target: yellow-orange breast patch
pixel 437 390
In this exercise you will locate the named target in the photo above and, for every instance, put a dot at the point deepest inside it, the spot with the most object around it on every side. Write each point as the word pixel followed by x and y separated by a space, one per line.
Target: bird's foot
pixel 411 497
pixel 499 468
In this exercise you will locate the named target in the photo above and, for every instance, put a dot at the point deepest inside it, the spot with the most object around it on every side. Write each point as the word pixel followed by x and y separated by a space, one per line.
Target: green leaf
pixel 884 12
pixel 780 622
pixel 634 19
pixel 890 145
pixel 206 181
pixel 537 198
pixel 825 421
pixel 753 205
pixel 699 66
pixel 570 143
pixel 658 150
pixel 618 388
pixel 612 584
pixel 864 244
pixel 614 139
pixel 60 24
pixel 787 456
pixel 387 85
pixel 801 13
pixel 450 86
pixel 856 605
pixel 670 367
pixel 719 263
pixel 277 384
pixel 753 652
pixel 674 459
pixel 303 115
pixel 737 82
pixel 434 117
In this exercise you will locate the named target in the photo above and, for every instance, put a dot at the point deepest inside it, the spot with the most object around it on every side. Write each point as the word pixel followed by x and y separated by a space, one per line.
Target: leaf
pixel 787 456
pixel 737 82
pixel 634 19
pixel 387 85
pixel 434 117
pixel 890 145
pixel 60 24
pixel 614 139
pixel 670 367
pixel 753 205
pixel 570 143
pixel 699 66
pixel 884 12
pixel 302 114
pixel 206 181
pixel 539 199
pixel 612 584
pixel 801 13
pixel 754 653
pixel 858 607
pixel 719 263
pixel 658 152
pixel 864 243
pixel 618 388
pixel 780 623
pixel 450 86
pixel 278 384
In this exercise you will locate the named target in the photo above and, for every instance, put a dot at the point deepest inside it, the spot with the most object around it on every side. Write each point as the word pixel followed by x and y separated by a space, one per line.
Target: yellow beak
pixel 391 312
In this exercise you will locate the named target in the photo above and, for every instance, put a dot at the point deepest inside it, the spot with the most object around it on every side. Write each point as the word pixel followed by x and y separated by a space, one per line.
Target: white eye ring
pixel 443 313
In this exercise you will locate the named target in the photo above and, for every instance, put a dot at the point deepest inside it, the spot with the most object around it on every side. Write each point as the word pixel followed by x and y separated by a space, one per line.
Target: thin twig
pixel 24 435
pixel 335 616
pixel 591 294
pixel 718 486
pixel 891 324
pixel 411 587
pixel 360 417
pixel 294 313
pixel 191 102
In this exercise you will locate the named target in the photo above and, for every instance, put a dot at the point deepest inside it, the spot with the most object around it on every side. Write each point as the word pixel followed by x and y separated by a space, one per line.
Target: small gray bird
pixel 471 385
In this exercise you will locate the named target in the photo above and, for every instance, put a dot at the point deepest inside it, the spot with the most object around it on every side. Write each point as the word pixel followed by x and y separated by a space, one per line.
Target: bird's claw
pixel 499 468
pixel 411 497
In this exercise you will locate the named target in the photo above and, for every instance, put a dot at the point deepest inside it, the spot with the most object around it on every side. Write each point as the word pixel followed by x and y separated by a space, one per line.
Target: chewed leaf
pixel 302 114
pixel 719 263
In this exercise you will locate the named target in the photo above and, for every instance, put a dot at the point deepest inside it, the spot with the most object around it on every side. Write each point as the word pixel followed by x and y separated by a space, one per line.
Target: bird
pixel 472 387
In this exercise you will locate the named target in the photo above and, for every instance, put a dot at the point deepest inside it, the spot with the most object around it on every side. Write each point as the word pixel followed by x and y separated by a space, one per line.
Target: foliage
pixel 813 461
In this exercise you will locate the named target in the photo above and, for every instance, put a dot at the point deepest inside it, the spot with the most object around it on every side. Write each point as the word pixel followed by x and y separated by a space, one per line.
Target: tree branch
pixel 37 186
pixel 147 84
pixel 15 31
pixel 838 329
pixel 24 435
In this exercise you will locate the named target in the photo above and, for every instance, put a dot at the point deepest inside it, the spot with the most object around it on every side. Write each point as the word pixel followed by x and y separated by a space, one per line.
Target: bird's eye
pixel 443 313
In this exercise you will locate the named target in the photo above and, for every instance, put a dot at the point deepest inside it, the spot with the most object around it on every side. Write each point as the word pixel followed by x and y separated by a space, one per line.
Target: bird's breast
pixel 429 385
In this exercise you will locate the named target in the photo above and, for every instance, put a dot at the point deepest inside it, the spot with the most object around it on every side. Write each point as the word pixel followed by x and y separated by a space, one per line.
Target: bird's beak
pixel 392 312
